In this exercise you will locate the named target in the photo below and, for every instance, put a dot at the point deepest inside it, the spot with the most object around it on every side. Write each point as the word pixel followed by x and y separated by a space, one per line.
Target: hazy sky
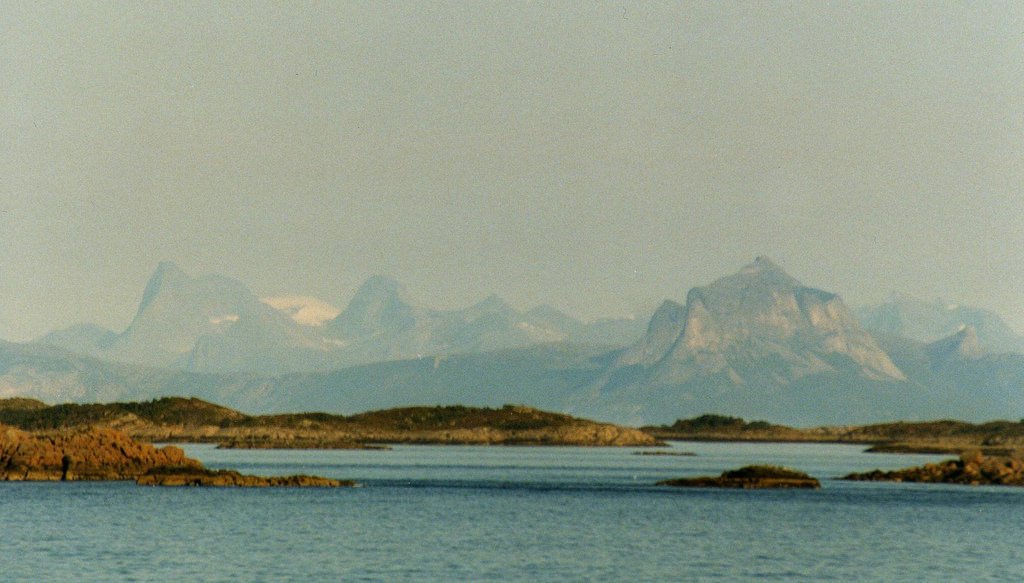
pixel 596 158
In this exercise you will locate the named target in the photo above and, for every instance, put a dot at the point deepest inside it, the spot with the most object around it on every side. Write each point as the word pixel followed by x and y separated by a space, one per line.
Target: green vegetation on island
pixel 714 427
pixel 750 478
pixel 997 438
pixel 176 419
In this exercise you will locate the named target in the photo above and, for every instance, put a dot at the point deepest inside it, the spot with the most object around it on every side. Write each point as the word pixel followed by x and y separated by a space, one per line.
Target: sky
pixel 597 157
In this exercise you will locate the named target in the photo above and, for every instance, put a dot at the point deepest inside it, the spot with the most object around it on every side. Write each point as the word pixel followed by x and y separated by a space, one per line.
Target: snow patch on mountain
pixel 305 310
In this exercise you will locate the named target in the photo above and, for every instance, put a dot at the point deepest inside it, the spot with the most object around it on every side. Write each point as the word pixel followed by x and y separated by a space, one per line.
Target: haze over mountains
pixel 757 343
pixel 923 321
pixel 213 323
pixel 758 336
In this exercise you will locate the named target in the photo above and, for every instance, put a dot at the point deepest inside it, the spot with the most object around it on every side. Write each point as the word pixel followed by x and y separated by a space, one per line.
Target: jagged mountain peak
pixel 762 273
pixel 760 312
pixel 378 293
pixel 379 305
pixel 177 310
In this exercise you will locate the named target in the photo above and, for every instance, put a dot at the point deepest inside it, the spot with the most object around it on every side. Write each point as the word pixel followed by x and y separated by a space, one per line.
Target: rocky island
pixel 175 419
pixel 712 427
pixel 749 478
pixel 193 476
pixel 995 438
pixel 110 455
pixel 972 468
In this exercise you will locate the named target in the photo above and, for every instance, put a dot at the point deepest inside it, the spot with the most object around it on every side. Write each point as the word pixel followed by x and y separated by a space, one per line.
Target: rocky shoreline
pixel 81 454
pixel 97 454
pixel 973 468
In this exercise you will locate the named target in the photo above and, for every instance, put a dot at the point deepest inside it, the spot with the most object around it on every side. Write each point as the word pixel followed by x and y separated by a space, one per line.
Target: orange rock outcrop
pixel 81 454
pixel 972 469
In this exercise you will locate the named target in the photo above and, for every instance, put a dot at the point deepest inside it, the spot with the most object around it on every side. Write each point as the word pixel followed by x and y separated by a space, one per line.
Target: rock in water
pixel 190 476
pixel 750 477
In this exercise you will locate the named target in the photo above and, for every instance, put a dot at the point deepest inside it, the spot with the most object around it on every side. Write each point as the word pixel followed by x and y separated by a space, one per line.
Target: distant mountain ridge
pixel 757 343
pixel 214 323
pixel 381 324
pixel 924 321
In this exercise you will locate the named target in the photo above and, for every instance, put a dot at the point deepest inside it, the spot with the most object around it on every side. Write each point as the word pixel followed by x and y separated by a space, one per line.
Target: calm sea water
pixel 516 514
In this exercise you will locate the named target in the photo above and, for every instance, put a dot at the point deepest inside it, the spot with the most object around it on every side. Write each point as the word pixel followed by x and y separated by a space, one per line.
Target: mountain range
pixel 757 343
pixel 216 324
pixel 925 321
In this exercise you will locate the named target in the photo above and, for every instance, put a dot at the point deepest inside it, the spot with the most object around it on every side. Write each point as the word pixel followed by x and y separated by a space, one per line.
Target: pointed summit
pixel 209 323
pixel 764 271
pixel 377 293
pixel 763 263
pixel 379 305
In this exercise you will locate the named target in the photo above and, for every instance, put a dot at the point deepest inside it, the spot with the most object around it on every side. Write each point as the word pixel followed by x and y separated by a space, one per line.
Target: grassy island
pixel 749 477
pixel 175 419
pixel 995 438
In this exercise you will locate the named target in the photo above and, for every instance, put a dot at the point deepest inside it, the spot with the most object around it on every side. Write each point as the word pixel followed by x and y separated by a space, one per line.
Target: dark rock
pixel 750 477
pixel 192 476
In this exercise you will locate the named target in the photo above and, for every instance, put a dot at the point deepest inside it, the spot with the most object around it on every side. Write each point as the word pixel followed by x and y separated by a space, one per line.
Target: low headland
pixel 995 438
pixel 178 420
